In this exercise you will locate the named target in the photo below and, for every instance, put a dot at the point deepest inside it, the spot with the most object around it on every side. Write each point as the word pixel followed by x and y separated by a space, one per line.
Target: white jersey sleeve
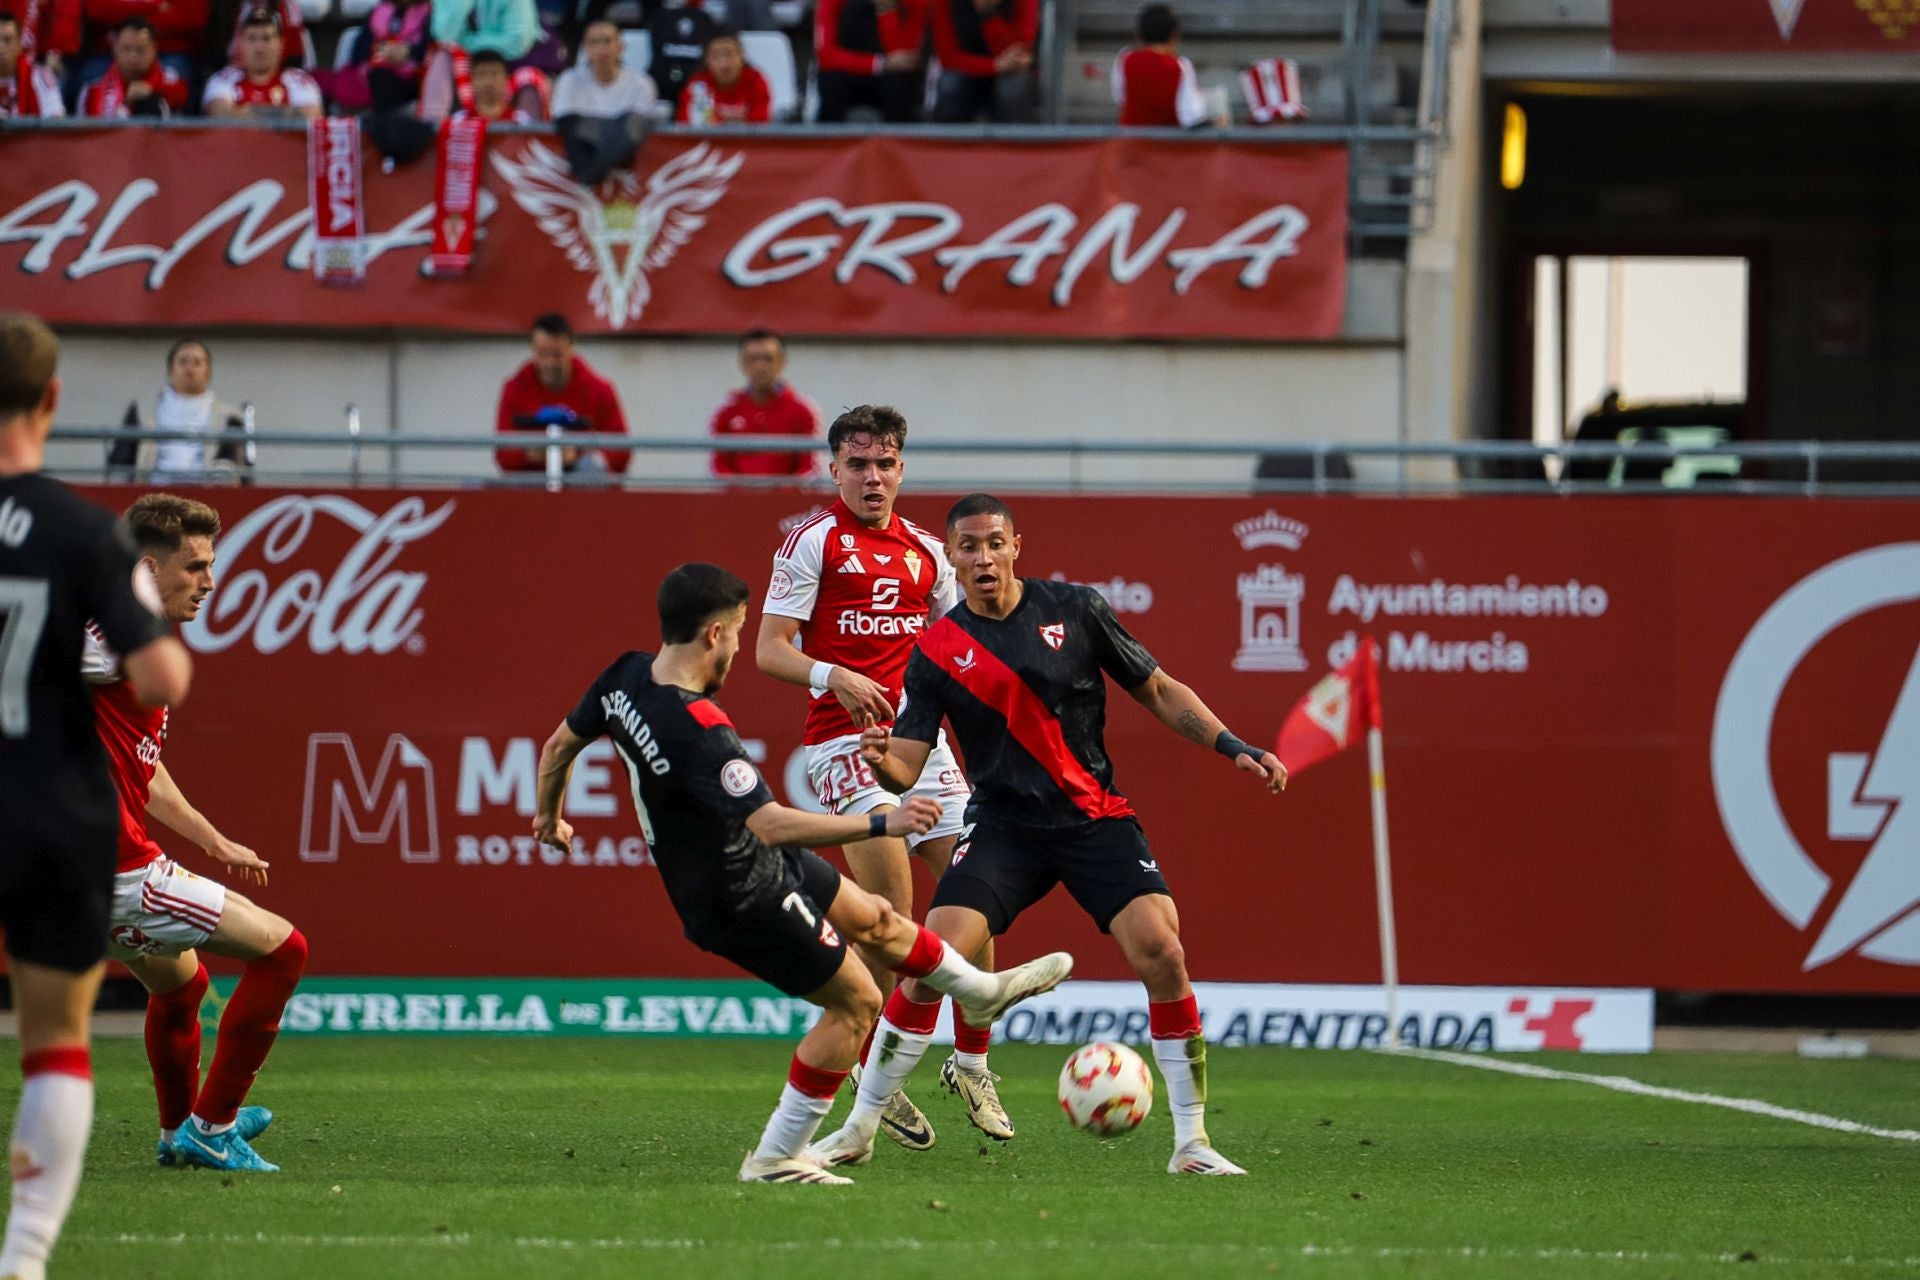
pixel 795 585
pixel 223 86
pixel 98 663
pixel 303 90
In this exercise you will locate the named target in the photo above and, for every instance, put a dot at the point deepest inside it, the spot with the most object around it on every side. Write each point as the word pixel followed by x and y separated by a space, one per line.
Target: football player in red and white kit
pixel 162 913
pixel 851 589
pixel 257 84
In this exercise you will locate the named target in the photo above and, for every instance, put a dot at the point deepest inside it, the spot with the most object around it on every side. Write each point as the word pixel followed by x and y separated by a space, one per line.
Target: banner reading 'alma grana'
pixel 1103 238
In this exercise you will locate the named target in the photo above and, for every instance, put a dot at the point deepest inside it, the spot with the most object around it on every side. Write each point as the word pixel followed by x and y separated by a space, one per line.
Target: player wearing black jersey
pixel 62 561
pixel 1018 670
pixel 729 858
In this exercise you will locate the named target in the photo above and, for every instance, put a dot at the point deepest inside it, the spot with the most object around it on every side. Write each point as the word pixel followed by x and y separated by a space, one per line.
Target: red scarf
pixel 463 140
pixel 26 94
pixel 335 199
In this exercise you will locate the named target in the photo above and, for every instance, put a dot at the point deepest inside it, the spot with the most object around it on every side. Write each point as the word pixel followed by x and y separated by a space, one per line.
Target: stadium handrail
pixel 1411 470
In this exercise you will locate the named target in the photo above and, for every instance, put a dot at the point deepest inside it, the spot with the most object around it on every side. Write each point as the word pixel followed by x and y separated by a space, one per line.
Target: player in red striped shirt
pixel 162 913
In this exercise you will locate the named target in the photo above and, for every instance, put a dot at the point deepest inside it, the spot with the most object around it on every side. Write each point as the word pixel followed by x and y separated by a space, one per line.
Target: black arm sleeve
pixel 919 719
pixel 721 778
pixel 127 624
pixel 1121 656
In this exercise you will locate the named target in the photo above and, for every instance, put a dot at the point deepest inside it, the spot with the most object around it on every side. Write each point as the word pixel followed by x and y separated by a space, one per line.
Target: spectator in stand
pixel 260 87
pixel 87 32
pixel 985 49
pixel 389 60
pixel 137 83
pixel 35 21
pixel 680 31
pixel 492 101
pixel 766 406
pixel 27 91
pixel 558 388
pixel 1153 85
pixel 208 440
pixel 296 49
pixel 601 109
pixel 868 54
pixel 726 90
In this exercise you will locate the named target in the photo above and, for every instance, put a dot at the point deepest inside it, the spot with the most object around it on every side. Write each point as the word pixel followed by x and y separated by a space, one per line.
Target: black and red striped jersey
pixel 1026 699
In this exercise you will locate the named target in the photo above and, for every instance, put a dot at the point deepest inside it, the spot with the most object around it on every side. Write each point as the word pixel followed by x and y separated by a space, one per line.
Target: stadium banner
pixel 1106 238
pixel 1766 26
pixel 1622 757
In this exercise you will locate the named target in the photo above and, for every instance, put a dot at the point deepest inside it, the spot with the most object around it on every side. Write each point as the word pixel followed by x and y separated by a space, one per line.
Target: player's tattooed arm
pixel 1181 710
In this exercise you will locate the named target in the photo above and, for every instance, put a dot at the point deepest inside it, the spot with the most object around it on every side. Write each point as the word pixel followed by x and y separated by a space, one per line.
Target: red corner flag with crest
pixel 1334 713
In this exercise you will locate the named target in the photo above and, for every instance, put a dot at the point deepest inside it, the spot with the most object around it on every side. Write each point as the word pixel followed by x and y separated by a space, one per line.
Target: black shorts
pixel 56 887
pixel 1001 870
pixel 782 937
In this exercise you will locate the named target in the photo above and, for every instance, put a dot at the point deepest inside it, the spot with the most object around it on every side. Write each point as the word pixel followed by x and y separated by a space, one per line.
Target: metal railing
pixel 1800 467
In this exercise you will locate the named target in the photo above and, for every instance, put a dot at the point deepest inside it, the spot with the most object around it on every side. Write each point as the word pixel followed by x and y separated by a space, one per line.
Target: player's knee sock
pixel 1180 1048
pixel 804 1103
pixel 173 1048
pixel 944 969
pixel 49 1142
pixel 248 1029
pixel 898 1043
pixel 970 1043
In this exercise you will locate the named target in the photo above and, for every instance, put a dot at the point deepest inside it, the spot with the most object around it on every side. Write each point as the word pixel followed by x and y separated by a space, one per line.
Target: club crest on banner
pixel 1871 794
pixel 620 230
pixel 1270 598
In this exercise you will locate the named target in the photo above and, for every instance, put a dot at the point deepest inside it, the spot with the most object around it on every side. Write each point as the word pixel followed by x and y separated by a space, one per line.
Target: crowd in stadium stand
pixel 530 61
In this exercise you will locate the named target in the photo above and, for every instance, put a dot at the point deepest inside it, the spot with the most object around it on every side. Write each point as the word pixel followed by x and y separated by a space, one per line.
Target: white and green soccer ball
pixel 1106 1088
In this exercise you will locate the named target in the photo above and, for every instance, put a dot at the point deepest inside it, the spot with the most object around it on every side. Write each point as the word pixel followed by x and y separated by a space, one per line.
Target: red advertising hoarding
pixel 1107 238
pixel 1630 742
pixel 1766 26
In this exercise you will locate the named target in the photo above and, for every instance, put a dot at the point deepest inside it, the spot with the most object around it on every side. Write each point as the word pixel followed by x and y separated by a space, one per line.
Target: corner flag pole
pixel 1382 862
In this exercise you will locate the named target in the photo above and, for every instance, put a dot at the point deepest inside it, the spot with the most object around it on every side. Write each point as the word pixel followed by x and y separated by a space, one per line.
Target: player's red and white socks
pixel 173 1049
pixel 49 1143
pixel 248 1029
pixel 944 969
pixel 1180 1047
pixel 970 1043
pixel 804 1103
pixel 899 1042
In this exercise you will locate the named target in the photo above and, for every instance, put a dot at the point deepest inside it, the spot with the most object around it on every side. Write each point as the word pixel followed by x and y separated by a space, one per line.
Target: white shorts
pixel 162 909
pixel 845 783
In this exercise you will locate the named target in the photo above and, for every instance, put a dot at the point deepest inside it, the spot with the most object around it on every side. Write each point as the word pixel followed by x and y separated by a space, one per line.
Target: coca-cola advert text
pixel 1615 755
pixel 894 235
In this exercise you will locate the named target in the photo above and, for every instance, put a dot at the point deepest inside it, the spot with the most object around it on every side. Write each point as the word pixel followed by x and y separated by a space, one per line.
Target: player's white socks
pixel 944 969
pixel 804 1103
pixel 1180 1049
pixel 900 1041
pixel 49 1143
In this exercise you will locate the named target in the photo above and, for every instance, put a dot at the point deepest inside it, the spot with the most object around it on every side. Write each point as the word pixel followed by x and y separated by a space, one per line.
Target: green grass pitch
pixel 580 1159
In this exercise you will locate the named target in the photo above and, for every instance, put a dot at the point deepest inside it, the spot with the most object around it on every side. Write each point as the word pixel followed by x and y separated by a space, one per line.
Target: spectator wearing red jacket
pixel 766 406
pixel 1152 84
pixel 868 54
pixel 985 49
pixel 27 91
pixel 34 21
pixel 137 83
pixel 726 90
pixel 558 388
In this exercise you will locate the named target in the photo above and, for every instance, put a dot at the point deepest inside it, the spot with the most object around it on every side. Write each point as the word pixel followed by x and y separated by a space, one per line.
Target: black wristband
pixel 876 825
pixel 1233 748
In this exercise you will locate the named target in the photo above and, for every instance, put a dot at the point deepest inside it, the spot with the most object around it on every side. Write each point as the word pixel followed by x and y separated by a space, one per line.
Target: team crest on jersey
pixel 1054 633
pixel 912 560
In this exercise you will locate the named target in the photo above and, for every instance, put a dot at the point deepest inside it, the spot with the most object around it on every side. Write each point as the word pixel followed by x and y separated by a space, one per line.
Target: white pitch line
pixel 1624 1084
pixel 650 1244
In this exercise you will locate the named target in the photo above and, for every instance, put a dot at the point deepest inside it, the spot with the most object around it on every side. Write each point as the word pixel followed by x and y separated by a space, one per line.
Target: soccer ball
pixel 1105 1088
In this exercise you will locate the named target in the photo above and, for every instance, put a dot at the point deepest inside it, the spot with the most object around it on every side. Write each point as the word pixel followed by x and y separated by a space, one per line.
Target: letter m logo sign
pixel 395 804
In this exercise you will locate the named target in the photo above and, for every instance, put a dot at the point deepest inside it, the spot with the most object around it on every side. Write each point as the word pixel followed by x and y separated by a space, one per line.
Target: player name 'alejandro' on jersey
pixel 1025 696
pixel 693 788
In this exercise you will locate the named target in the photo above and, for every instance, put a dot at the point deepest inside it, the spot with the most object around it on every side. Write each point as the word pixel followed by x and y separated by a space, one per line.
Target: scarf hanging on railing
pixel 456 195
pixel 335 196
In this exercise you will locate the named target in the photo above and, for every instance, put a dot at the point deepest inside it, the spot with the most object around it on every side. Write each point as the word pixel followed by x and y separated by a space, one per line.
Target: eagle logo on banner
pixel 621 237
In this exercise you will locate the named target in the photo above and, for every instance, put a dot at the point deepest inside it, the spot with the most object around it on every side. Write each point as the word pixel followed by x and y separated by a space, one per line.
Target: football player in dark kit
pixel 729 858
pixel 1017 668
pixel 62 561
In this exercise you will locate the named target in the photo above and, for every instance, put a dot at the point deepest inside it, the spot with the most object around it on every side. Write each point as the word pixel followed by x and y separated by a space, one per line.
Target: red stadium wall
pixel 377 669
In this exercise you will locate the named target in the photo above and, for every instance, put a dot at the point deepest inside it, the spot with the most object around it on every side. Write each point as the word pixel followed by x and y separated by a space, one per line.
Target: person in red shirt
pixel 868 54
pixel 985 49
pixel 726 90
pixel 137 84
pixel 766 406
pixel 1152 84
pixel 27 91
pixel 259 85
pixel 558 388
pixel 34 21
